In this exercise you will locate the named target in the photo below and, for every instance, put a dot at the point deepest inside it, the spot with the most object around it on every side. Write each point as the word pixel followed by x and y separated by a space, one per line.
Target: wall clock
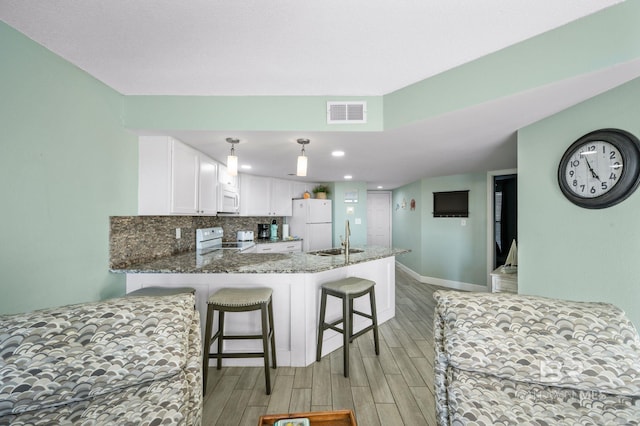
pixel 600 169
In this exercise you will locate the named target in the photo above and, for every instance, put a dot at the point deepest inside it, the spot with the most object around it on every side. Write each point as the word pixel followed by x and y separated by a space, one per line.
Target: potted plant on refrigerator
pixel 321 191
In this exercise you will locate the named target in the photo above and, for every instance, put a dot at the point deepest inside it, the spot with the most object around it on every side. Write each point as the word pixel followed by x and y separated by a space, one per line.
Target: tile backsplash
pixel 135 239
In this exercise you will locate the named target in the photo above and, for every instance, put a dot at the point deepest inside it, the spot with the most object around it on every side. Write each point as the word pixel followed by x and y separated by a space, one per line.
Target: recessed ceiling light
pixel 348 177
pixel 246 166
pixel 338 153
pixel 379 186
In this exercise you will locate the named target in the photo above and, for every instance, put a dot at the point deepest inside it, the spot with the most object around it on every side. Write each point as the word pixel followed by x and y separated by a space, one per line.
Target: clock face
pixel 600 169
pixel 593 169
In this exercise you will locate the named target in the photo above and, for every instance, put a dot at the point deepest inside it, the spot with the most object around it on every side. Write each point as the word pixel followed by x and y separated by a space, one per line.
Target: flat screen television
pixel 451 204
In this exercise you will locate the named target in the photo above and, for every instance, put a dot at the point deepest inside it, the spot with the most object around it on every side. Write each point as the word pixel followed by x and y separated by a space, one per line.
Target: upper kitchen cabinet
pixel 175 178
pixel 264 196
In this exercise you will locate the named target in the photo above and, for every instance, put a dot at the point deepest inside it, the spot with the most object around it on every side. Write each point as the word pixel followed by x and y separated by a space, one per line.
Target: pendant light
pixel 232 160
pixel 302 159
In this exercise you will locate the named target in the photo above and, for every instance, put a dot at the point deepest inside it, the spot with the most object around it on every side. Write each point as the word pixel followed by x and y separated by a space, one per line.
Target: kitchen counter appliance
pixel 263 231
pixel 244 236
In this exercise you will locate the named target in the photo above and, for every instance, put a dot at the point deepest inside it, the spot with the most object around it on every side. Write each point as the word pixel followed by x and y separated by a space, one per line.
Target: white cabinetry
pixel 207 185
pixel 280 197
pixel 281 247
pixel 296 298
pixel 263 196
pixel 174 178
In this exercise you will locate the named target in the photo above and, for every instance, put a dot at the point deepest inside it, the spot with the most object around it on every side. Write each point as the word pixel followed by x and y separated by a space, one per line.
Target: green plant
pixel 320 188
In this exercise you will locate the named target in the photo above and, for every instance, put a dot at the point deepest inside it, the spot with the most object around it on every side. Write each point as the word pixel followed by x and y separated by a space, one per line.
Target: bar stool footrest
pixel 237 355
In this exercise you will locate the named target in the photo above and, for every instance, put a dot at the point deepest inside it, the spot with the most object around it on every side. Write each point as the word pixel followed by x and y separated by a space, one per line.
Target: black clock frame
pixel 629 147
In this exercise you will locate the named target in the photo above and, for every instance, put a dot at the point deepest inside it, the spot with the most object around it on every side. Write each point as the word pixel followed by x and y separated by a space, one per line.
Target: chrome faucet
pixel 345 243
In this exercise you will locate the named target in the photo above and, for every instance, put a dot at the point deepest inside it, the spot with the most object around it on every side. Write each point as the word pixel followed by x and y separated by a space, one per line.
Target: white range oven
pixel 210 239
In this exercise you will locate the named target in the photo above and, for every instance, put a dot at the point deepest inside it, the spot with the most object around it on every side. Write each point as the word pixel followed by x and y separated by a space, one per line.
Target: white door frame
pixel 491 246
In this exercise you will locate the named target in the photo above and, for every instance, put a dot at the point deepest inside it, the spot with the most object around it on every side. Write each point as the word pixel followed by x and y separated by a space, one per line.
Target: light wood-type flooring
pixel 394 388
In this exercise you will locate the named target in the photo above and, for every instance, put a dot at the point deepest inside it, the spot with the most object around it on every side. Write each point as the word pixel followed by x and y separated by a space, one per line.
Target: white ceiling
pixel 320 47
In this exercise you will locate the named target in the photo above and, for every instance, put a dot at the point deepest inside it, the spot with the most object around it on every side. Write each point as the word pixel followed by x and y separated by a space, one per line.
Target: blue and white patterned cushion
pixel 126 360
pixel 491 344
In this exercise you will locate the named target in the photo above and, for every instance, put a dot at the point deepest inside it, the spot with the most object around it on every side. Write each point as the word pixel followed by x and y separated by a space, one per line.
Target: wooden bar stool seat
pixel 239 300
pixel 348 289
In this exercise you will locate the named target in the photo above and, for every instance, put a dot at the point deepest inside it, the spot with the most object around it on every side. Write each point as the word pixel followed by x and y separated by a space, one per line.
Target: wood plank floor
pixel 394 388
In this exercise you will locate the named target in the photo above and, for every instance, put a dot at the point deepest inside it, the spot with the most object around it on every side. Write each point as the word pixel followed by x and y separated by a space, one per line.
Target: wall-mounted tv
pixel 451 204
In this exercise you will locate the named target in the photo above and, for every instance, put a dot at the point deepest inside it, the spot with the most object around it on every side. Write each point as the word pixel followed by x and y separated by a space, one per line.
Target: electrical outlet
pixel 178 233
pixel 463 222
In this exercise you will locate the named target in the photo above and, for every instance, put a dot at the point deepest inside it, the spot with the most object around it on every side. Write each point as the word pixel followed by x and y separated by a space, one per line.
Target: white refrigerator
pixel 311 221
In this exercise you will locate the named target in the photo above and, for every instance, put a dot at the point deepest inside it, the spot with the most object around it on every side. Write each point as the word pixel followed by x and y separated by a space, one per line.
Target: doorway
pixel 505 217
pixel 379 218
pixel 502 217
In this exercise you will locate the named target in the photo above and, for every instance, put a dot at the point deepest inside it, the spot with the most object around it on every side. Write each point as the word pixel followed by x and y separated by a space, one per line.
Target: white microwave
pixel 228 199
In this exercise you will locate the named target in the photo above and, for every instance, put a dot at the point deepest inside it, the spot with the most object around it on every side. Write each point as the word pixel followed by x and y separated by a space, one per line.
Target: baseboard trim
pixel 456 285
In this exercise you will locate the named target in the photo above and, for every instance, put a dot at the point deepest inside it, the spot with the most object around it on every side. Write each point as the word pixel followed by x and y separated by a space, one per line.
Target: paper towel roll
pixel 285 231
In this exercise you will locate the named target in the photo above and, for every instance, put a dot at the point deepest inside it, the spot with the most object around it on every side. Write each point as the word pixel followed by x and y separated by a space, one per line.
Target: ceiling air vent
pixel 346 112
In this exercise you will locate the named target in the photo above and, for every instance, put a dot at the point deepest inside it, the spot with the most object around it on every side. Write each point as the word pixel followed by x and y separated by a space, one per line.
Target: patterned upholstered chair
pixel 130 360
pixel 512 359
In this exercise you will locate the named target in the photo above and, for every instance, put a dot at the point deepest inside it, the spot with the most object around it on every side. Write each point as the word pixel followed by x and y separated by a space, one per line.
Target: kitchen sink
pixel 334 252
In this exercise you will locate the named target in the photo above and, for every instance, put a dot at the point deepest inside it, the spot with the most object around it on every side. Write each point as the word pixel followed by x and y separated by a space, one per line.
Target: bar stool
pixel 239 300
pixel 348 289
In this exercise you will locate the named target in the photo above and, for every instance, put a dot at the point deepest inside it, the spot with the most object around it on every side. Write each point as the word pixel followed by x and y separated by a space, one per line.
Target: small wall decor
pixel 404 203
pixel 351 196
pixel 413 204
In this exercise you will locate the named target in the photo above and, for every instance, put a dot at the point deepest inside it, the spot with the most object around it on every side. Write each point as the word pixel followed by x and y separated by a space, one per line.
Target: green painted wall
pixel 442 247
pixel 580 47
pixel 406 224
pixel 583 46
pixel 563 250
pixel 67 164
pixel 244 113
pixel 343 211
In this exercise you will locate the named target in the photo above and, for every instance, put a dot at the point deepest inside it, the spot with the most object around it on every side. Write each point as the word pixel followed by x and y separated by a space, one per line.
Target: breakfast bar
pixel 295 279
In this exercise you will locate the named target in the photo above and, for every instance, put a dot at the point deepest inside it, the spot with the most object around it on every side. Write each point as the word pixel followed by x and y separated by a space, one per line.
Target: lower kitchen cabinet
pixel 295 303
pixel 281 247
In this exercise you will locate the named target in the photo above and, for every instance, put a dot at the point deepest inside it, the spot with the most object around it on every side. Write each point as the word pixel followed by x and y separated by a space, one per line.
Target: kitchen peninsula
pixel 295 279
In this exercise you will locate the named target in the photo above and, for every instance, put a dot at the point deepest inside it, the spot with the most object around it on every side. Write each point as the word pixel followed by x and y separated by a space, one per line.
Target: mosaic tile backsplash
pixel 135 239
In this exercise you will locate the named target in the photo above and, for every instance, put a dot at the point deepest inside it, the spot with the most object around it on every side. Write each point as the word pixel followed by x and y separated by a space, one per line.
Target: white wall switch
pixel 463 222
pixel 358 221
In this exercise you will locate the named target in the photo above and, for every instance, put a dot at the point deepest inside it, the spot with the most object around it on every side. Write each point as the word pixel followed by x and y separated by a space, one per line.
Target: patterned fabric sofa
pixel 130 360
pixel 511 359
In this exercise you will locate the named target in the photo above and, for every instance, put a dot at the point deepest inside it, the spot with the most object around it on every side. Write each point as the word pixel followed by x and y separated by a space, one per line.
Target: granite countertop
pixel 228 261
